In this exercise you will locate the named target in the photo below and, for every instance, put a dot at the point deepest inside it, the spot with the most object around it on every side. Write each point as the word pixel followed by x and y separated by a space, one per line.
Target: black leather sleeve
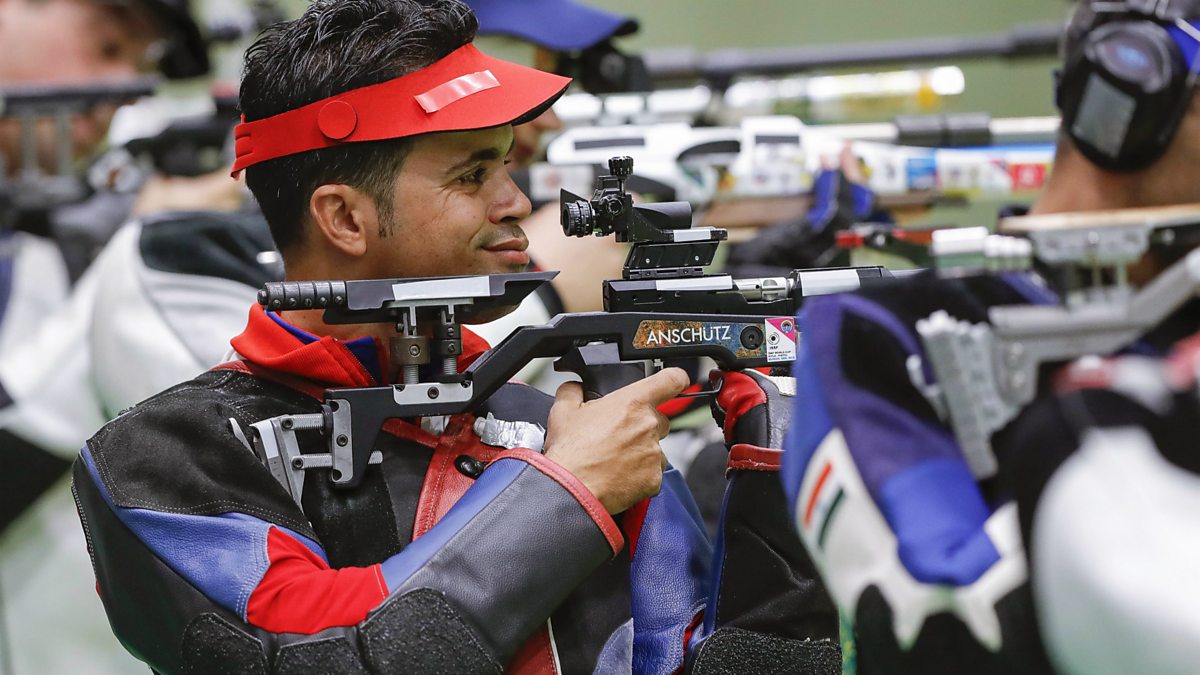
pixel 462 602
pixel 507 569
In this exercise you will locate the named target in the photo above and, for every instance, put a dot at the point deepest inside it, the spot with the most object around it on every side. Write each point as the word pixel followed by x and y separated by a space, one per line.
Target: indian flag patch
pixel 822 503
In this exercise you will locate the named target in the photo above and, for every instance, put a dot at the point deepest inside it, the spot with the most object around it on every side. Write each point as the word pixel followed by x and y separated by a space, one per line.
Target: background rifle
pixel 987 372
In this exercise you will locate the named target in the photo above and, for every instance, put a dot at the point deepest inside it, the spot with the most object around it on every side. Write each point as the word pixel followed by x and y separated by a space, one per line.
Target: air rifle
pixel 32 190
pixel 779 156
pixel 987 372
pixel 664 307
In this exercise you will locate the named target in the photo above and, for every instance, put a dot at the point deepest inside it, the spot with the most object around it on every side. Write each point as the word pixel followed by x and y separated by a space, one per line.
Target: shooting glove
pixel 752 408
pixel 811 241
pixel 769 612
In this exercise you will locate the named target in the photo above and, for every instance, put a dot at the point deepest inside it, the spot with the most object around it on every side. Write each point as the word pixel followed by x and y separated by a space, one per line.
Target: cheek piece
pixel 465 90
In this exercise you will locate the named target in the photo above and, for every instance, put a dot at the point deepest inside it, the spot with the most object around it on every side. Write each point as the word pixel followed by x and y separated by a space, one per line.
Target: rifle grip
pixel 600 368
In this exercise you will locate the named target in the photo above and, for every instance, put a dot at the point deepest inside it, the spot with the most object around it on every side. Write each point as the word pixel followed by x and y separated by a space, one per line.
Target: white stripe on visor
pixel 455 90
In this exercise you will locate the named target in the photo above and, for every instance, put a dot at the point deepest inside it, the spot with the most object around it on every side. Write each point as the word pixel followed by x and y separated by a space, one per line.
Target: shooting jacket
pixel 929 561
pixel 451 556
pixel 1104 471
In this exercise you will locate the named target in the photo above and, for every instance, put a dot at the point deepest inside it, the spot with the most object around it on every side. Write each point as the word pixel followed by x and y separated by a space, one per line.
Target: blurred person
pixel 840 199
pixel 47 44
pixel 569 37
pixel 1105 475
pixel 61 43
pixel 927 560
pixel 548 35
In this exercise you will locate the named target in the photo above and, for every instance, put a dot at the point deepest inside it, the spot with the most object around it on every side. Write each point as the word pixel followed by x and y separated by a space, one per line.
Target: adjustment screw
pixel 297 463
pixel 414 350
pixel 342 440
pixel 621 167
pixel 287 423
pixel 433 392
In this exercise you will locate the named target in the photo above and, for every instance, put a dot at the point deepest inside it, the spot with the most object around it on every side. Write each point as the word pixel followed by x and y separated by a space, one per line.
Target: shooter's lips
pixel 511 250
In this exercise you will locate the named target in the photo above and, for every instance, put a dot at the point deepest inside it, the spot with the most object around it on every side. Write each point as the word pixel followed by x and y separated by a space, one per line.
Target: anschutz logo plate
pixel 656 333
pixel 687 335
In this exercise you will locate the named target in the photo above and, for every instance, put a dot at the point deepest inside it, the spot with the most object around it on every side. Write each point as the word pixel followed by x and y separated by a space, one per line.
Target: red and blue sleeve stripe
pixel 281 581
pixel 224 556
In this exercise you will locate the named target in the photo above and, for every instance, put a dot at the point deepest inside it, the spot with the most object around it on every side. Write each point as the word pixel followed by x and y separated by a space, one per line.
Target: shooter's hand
pixel 611 444
pixel 752 408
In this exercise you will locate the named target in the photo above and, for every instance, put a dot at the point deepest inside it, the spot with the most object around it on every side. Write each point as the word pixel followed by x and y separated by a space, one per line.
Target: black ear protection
pixel 1125 86
pixel 603 69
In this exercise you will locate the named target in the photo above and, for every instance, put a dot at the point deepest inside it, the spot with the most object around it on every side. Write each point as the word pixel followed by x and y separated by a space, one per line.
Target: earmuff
pixel 1125 85
pixel 603 69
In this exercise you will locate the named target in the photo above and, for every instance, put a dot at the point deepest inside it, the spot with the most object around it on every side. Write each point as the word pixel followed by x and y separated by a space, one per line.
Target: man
pixel 47 44
pixel 453 555
pixel 926 558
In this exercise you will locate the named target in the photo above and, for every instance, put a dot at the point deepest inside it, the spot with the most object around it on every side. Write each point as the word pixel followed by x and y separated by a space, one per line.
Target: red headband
pixel 465 90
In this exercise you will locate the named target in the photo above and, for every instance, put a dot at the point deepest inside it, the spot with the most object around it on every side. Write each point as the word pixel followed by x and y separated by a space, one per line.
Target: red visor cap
pixel 465 90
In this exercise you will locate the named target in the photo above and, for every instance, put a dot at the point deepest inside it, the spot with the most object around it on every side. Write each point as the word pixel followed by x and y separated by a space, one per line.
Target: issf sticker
pixel 781 339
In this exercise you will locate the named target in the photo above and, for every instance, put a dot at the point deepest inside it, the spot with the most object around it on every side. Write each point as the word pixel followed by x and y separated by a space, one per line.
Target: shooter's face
pixel 70 42
pixel 456 210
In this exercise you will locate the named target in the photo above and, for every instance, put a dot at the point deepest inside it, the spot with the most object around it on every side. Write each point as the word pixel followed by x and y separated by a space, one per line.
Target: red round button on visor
pixel 337 120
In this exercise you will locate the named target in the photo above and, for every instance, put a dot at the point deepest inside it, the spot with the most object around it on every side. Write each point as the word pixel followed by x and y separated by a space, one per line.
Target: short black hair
pixel 334 47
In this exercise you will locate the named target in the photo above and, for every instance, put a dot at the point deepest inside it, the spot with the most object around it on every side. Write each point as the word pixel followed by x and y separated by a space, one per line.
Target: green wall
pixel 998 87
pixel 1001 88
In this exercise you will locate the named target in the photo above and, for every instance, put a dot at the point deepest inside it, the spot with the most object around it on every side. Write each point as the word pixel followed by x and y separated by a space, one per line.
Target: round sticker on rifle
pixel 781 339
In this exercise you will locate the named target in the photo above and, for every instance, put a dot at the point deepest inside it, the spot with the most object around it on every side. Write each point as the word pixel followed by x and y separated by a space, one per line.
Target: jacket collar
pixel 271 343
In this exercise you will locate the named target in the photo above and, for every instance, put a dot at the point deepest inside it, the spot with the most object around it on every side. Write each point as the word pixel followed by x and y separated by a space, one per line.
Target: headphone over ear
pixel 1125 85
pixel 603 69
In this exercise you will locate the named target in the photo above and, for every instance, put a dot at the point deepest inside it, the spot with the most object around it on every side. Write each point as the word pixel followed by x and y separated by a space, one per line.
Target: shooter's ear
pixel 343 216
